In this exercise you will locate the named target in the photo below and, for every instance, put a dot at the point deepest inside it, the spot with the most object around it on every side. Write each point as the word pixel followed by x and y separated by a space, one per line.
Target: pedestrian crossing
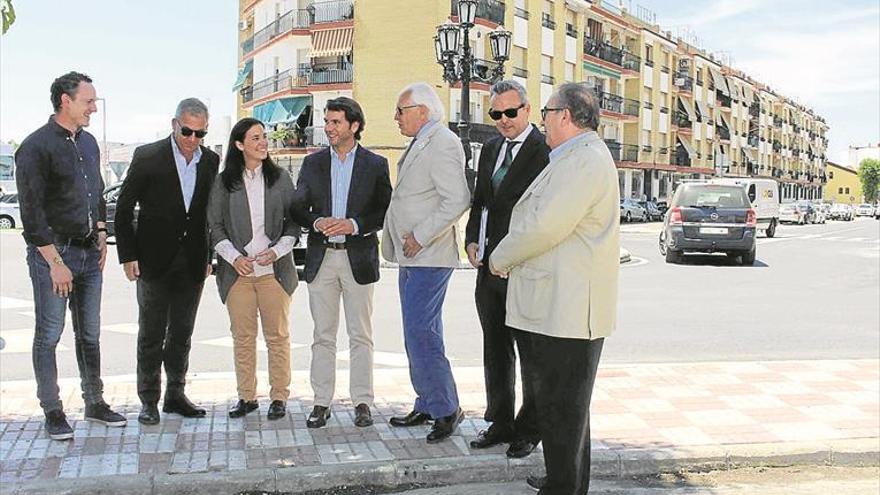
pixel 824 238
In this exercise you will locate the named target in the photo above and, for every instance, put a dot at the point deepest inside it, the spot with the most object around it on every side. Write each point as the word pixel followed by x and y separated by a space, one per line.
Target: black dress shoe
pixel 362 416
pixel 180 404
pixel 277 409
pixel 536 482
pixel 318 417
pixel 521 448
pixel 243 407
pixel 149 415
pixel 412 419
pixel 445 426
pixel 490 438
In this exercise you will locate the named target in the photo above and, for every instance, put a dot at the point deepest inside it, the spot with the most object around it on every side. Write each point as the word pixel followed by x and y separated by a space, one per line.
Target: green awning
pixel 243 75
pixel 282 110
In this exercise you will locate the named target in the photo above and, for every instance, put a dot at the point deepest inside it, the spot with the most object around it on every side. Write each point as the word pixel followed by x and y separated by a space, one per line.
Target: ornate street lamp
pixel 453 52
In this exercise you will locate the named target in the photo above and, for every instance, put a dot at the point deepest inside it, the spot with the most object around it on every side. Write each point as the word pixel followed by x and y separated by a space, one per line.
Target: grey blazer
pixel 229 218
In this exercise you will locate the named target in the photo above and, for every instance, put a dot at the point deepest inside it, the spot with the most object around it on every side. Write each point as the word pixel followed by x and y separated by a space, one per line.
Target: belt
pixel 335 245
pixel 83 242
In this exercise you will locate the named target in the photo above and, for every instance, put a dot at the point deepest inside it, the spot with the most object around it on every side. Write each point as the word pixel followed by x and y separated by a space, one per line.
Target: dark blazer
pixel 163 224
pixel 229 217
pixel 531 159
pixel 368 198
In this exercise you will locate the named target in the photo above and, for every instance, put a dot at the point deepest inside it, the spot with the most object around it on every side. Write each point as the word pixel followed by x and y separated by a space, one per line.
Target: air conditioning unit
pixel 242 25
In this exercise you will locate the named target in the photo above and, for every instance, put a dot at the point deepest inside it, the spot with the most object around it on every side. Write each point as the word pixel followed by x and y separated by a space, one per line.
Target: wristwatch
pixel 58 261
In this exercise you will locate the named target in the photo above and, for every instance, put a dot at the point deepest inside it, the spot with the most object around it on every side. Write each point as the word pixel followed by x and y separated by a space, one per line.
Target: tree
pixel 869 175
pixel 7 12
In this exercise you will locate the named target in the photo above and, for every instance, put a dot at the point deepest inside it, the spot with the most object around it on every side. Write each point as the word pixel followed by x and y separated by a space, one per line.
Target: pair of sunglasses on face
pixel 187 132
pixel 510 113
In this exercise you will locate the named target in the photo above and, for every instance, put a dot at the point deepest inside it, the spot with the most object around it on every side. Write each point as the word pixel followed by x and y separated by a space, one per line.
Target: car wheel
pixel 628 218
pixel 673 256
pixel 7 223
pixel 771 230
pixel 748 257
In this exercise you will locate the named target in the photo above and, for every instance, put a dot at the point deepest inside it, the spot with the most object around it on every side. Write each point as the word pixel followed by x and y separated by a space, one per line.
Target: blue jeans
pixel 49 309
pixel 422 291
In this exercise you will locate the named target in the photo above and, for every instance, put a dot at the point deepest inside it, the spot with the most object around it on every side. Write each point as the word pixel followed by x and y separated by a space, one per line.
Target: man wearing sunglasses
pixel 561 257
pixel 508 164
pixel 165 250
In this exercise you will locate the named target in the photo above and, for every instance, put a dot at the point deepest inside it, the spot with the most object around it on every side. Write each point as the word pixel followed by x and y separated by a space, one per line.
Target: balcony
pixel 610 102
pixel 680 119
pixel 545 79
pixel 777 121
pixel 753 141
pixel 723 99
pixel 614 148
pixel 547 21
pixel 490 10
pixel 603 51
pixel 294 19
pixel 684 82
pixel 570 30
pixel 329 73
pixel 680 158
pixel 648 105
pixel 631 107
pixel 301 139
pixel 630 153
pixel 723 133
pixel 302 77
pixel 483 69
pixel 631 61
pixel 755 109
pixel 332 11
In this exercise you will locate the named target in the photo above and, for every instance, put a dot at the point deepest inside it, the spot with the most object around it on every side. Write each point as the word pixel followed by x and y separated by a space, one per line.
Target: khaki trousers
pixel 334 279
pixel 248 297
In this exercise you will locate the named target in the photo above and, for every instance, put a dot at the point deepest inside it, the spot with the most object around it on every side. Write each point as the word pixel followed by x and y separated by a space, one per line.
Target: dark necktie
pixel 498 177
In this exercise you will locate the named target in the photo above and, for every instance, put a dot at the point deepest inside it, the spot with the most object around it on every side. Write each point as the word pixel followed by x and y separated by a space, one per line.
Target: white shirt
pixel 254 185
pixel 186 171
pixel 484 216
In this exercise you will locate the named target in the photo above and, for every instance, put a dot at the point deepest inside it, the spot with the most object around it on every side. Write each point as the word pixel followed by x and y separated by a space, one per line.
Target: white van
pixel 764 195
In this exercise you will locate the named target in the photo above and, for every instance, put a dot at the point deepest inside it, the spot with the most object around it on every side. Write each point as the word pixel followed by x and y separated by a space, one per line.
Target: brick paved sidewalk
pixel 654 412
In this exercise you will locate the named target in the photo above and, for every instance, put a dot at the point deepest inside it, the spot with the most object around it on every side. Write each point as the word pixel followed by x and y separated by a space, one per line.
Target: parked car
pixel 877 211
pixel 864 210
pixel 764 197
pixel 631 210
pixel 652 210
pixel 709 218
pixel 840 211
pixel 792 213
pixel 821 214
pixel 10 215
pixel 111 193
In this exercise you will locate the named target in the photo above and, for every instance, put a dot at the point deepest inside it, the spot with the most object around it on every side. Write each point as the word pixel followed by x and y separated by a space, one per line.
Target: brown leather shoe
pixel 412 419
pixel 362 416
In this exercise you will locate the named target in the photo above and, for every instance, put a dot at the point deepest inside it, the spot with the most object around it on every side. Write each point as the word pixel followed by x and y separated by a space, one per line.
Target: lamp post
pixel 453 52
pixel 105 158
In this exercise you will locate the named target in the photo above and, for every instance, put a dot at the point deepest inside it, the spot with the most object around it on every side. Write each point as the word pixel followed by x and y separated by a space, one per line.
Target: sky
pixel 145 56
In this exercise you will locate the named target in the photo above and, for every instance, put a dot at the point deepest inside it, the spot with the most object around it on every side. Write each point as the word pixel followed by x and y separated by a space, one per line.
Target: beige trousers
pixel 335 279
pixel 248 297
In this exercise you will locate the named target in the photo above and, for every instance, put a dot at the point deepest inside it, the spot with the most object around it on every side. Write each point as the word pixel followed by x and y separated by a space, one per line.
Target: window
pixel 839 190
pixel 830 175
pixel 546 65
pixel 649 55
pixel 594 28
pixel 847 190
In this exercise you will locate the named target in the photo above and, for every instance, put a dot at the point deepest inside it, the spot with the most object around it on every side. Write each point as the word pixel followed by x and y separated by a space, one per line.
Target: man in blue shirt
pixel 170 180
pixel 60 192
pixel 342 194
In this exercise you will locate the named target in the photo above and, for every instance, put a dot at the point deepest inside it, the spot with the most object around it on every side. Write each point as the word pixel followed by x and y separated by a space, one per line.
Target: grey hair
pixel 580 100
pixel 509 85
pixel 421 93
pixel 192 106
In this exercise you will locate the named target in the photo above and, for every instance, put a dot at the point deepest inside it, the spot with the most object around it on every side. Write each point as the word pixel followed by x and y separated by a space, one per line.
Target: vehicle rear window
pixel 713 196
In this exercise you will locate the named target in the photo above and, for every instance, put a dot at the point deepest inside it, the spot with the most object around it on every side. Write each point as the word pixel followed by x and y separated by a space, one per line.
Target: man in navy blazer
pixel 342 194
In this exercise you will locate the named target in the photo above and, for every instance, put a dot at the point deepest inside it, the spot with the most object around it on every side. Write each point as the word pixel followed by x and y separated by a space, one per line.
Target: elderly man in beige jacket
pixel 561 257
pixel 420 235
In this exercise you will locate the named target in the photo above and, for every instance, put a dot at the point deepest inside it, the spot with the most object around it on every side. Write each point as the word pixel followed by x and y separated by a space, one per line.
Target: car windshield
pixel 864 206
pixel 712 197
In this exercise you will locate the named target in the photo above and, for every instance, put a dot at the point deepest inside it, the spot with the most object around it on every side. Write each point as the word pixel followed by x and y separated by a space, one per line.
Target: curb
pixel 488 468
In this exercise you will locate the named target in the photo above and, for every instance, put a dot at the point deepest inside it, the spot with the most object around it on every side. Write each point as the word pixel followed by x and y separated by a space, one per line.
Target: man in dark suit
pixel 342 194
pixel 508 164
pixel 167 254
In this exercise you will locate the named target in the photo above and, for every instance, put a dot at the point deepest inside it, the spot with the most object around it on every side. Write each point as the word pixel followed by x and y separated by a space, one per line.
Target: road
pixel 813 294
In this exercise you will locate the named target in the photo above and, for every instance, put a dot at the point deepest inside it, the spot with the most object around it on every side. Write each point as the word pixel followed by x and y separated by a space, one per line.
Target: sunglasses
pixel 187 132
pixel 546 110
pixel 401 109
pixel 510 113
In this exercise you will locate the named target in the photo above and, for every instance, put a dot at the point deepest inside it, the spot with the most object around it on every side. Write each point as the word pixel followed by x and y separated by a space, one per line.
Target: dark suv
pixel 709 218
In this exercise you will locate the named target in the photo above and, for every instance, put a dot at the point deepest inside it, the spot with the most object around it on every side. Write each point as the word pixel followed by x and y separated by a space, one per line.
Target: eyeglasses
pixel 401 109
pixel 187 132
pixel 548 109
pixel 510 113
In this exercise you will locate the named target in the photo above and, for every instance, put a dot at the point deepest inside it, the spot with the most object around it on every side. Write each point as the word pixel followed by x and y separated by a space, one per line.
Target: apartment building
pixel 670 111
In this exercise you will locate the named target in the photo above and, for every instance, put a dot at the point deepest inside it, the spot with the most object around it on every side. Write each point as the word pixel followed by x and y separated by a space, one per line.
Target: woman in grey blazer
pixel 254 237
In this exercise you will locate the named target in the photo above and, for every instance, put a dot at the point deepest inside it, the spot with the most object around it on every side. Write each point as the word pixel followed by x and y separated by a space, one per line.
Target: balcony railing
pixel 545 79
pixel 310 137
pixel 723 133
pixel 570 30
pixel 630 152
pixel 684 82
pixel 614 148
pixel 603 51
pixel 483 70
pixel 724 99
pixel 302 77
pixel 647 148
pixel 518 72
pixel 753 141
pixel 631 61
pixel 681 119
pixel 631 107
pixel 547 21
pixel 329 73
pixel 521 13
pixel 332 11
pixel 294 19
pixel 610 102
pixel 491 10
pixel 755 109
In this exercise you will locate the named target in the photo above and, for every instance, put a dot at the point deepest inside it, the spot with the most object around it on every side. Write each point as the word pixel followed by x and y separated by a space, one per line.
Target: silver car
pixel 10 215
pixel 631 210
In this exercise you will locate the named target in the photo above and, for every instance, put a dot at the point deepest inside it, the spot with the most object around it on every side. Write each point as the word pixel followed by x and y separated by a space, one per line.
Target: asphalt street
pixel 813 294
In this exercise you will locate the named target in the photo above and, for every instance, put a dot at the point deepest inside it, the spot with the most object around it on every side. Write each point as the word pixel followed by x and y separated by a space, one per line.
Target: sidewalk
pixel 647 418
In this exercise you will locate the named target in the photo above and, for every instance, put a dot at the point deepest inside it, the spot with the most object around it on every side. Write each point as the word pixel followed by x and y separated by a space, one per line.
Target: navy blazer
pixel 368 197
